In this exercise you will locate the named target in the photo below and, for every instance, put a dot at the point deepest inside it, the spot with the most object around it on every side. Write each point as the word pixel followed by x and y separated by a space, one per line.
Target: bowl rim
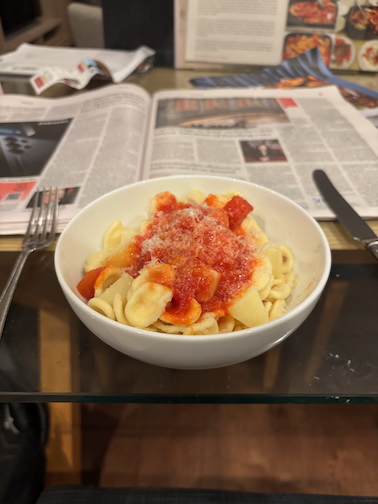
pixel 314 294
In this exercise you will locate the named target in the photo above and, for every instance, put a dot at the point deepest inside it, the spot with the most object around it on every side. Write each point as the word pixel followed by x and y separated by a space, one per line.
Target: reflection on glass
pixel 47 354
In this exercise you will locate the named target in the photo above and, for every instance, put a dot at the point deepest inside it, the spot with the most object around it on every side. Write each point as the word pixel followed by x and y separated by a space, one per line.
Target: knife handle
pixel 372 246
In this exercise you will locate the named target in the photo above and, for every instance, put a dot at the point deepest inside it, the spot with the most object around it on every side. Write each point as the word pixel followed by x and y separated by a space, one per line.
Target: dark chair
pixel 23 433
pixel 129 24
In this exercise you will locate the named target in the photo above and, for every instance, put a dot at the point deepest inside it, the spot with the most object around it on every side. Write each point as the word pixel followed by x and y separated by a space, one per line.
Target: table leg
pixel 63 449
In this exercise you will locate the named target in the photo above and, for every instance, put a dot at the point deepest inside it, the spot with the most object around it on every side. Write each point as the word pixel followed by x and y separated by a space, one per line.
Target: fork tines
pixel 43 219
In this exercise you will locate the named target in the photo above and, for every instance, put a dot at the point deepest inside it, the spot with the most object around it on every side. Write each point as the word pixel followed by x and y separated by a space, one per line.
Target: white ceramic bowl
pixel 282 220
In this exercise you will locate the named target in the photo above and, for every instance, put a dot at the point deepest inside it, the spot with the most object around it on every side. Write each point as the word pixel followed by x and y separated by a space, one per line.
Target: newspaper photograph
pixel 275 138
pixel 86 145
pixel 267 32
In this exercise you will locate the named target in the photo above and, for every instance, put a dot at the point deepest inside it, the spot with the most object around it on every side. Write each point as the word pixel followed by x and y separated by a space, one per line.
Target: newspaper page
pixel 304 71
pixel 86 145
pixel 70 65
pixel 180 16
pixel 275 138
pixel 240 31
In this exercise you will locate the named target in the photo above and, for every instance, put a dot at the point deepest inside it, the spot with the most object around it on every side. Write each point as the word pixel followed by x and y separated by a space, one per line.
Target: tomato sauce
pixel 196 240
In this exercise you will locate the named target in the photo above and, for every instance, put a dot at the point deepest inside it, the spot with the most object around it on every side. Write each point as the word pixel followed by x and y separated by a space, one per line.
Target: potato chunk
pixel 120 286
pixel 249 308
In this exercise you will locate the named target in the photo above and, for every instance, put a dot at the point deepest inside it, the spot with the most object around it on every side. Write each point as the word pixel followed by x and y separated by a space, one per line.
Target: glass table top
pixel 47 355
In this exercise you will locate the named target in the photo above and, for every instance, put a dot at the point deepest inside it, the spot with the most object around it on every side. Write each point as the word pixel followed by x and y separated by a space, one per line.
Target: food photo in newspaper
pixel 271 31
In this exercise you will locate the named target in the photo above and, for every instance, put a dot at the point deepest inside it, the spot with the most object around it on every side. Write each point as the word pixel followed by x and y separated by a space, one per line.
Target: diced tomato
pixel 237 209
pixel 86 284
pixel 165 201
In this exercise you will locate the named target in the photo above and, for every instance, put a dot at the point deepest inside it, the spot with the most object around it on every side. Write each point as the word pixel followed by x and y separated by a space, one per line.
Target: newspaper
pixel 266 32
pixel 305 70
pixel 180 26
pixel 240 31
pixel 92 143
pixel 72 66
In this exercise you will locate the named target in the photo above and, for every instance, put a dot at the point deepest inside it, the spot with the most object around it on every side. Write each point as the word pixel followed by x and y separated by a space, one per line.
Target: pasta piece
pixel 239 326
pixel 264 293
pixel 106 278
pixel 207 326
pixel 290 279
pixel 277 310
pixel 129 233
pixel 137 282
pixel 143 226
pixel 169 328
pixel 119 304
pixel 226 324
pixel 249 308
pixel 123 255
pixel 262 274
pixel 287 258
pixel 250 226
pixel 95 260
pixel 147 303
pixel 113 236
pixel 268 306
pixel 281 291
pixel 233 192
pixel 260 237
pixel 159 273
pixel 101 306
pixel 274 253
pixel 195 196
pixel 187 316
pixel 279 281
pixel 120 286
pixel 152 328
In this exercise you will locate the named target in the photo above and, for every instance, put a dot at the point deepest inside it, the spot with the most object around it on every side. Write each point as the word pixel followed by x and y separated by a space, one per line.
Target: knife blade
pixel 345 214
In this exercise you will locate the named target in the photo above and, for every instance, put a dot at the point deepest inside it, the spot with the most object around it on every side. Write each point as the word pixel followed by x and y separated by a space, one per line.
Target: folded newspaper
pixel 91 143
pixel 74 67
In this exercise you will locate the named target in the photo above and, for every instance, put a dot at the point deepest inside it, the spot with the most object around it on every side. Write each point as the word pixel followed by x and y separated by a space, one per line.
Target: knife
pixel 345 214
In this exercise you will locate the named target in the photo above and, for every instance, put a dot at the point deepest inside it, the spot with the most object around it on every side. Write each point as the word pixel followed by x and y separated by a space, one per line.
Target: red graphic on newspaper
pixel 287 102
pixel 11 192
pixel 39 81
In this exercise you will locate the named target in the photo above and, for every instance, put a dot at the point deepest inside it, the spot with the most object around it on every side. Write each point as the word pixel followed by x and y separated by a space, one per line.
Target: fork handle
pixel 8 292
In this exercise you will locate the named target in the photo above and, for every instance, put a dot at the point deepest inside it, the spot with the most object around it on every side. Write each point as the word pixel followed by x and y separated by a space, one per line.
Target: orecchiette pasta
pixel 198 266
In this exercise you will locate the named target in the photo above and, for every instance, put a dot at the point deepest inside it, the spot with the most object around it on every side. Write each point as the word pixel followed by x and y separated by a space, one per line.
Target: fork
pixel 39 234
